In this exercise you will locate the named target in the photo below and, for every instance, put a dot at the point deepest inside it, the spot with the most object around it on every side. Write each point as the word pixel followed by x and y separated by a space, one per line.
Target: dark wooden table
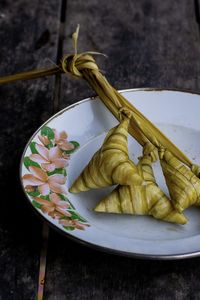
pixel 150 43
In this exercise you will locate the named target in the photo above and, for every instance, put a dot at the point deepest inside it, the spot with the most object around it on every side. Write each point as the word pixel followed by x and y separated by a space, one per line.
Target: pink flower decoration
pixel 45 183
pixel 49 159
pixel 72 223
pixel 44 139
pixel 61 140
pixel 55 207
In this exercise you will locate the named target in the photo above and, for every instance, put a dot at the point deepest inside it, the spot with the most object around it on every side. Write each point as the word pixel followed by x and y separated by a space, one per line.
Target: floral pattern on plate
pixel 47 175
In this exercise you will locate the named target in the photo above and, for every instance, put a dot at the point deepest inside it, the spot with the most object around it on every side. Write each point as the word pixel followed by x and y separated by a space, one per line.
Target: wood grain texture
pixel 149 44
pixel 77 272
pixel 28 35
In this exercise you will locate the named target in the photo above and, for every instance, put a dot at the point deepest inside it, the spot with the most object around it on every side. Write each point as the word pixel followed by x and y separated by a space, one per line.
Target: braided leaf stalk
pixel 83 65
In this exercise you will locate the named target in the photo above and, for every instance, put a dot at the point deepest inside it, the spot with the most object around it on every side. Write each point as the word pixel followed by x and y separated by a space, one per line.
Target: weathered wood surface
pixel 150 44
pixel 28 36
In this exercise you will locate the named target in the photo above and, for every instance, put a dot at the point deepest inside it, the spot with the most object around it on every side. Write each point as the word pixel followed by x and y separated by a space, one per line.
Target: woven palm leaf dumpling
pixel 146 199
pixel 110 164
pixel 137 192
pixel 183 184
pixel 102 170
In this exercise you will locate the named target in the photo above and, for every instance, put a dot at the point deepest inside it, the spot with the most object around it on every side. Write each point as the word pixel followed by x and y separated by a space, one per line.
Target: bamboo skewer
pixel 31 75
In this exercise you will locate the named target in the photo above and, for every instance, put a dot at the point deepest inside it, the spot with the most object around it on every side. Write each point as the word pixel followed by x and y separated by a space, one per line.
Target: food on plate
pixel 182 183
pixel 110 164
pixel 143 199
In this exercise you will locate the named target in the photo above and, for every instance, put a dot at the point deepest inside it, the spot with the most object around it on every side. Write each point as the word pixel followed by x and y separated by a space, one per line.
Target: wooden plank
pixel 29 36
pixel 149 43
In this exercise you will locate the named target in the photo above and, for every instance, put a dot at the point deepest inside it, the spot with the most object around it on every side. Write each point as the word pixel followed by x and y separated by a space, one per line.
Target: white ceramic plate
pixel 176 113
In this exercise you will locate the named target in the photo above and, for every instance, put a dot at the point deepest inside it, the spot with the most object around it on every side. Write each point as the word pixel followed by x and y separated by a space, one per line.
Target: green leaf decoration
pixel 35 193
pixel 76 216
pixel 32 147
pixel 63 197
pixel 69 228
pixel 47 131
pixel 36 204
pixel 28 162
pixel 45 197
pixel 76 146
pixel 58 171
pixel 71 206
pixel 50 145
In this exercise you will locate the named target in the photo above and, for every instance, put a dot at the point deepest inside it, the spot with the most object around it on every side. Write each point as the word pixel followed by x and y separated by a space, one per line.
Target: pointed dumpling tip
pixel 100 207
pixel 177 217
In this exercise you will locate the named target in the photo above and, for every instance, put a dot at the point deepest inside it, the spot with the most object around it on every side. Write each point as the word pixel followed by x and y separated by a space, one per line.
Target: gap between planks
pixel 56 102
pixel 57 85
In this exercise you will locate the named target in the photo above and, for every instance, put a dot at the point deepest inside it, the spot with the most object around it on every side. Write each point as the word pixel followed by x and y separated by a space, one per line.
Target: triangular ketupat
pixel 110 165
pixel 146 199
pixel 183 184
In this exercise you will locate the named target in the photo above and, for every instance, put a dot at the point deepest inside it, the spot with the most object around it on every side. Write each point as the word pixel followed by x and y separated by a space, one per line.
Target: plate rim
pixel 81 241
